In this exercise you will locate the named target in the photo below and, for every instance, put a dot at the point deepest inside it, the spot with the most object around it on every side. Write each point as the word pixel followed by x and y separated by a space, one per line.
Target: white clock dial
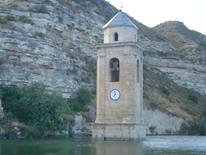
pixel 115 94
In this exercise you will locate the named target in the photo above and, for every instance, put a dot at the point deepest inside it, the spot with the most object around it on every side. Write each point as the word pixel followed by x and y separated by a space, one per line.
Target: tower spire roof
pixel 120 19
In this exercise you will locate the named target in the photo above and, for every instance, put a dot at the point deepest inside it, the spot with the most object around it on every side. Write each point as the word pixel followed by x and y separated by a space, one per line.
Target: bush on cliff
pixel 79 99
pixel 194 127
pixel 34 106
pixel 197 126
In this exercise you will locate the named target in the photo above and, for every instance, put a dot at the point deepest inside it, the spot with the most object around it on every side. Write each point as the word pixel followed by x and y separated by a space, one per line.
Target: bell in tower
pixel 119 82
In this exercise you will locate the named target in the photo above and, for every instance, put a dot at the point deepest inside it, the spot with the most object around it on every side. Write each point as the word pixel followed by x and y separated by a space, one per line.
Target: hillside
pixel 185 64
pixel 190 44
pixel 53 42
pixel 163 93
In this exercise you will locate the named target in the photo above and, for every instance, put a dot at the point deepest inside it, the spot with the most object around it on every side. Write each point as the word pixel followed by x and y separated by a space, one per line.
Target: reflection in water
pixel 118 148
pixel 151 146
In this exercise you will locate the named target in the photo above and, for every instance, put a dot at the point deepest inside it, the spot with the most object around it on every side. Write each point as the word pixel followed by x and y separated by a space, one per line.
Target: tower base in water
pixel 119 131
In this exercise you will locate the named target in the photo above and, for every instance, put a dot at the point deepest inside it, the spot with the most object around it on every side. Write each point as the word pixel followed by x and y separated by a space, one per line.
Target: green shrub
pixel 1 94
pixel 8 117
pixel 25 19
pixel 3 20
pixel 3 120
pixel 83 96
pixel 41 110
pixel 194 127
pixel 10 18
pixel 90 68
pixel 34 106
pixel 168 131
pixel 40 34
pixel 189 128
pixel 152 129
pixel 153 105
pixel 193 98
pixel 75 105
pixel 80 99
pixel 165 91
pixel 40 9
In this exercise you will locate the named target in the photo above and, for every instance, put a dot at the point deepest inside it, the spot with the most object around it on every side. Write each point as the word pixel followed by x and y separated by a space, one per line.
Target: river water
pixel 157 145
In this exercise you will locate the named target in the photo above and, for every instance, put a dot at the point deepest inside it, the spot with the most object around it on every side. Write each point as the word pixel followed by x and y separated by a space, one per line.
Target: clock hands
pixel 114 94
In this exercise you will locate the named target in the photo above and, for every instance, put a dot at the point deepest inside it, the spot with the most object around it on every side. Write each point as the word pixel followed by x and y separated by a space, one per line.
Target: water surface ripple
pixel 156 145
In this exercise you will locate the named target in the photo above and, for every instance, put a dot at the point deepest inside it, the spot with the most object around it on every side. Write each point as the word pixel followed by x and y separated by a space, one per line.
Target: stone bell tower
pixel 119 82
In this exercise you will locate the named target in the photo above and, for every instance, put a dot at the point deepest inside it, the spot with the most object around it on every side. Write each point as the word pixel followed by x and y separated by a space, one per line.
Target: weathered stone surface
pixel 81 127
pixel 187 62
pixel 157 122
pixel 183 73
pixel 161 123
pixel 119 118
pixel 52 48
pixel 127 131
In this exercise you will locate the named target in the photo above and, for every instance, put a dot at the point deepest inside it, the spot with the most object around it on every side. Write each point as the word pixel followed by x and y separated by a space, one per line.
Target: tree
pixel 34 106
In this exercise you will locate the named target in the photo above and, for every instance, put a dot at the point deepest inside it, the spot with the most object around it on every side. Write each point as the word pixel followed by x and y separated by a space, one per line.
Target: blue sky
pixel 153 12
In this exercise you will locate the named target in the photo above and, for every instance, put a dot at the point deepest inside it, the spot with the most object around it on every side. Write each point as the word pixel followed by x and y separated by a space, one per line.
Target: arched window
pixel 137 70
pixel 116 37
pixel 114 70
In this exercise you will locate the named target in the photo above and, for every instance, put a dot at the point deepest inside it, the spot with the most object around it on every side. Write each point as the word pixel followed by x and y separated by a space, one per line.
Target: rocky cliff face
pixel 53 41
pixel 186 63
pixel 49 41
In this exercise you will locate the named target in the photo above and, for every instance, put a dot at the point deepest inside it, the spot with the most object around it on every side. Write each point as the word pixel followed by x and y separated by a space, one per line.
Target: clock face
pixel 115 94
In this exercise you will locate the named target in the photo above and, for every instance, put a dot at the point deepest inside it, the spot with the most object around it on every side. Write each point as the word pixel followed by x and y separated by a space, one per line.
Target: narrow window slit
pixel 116 37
